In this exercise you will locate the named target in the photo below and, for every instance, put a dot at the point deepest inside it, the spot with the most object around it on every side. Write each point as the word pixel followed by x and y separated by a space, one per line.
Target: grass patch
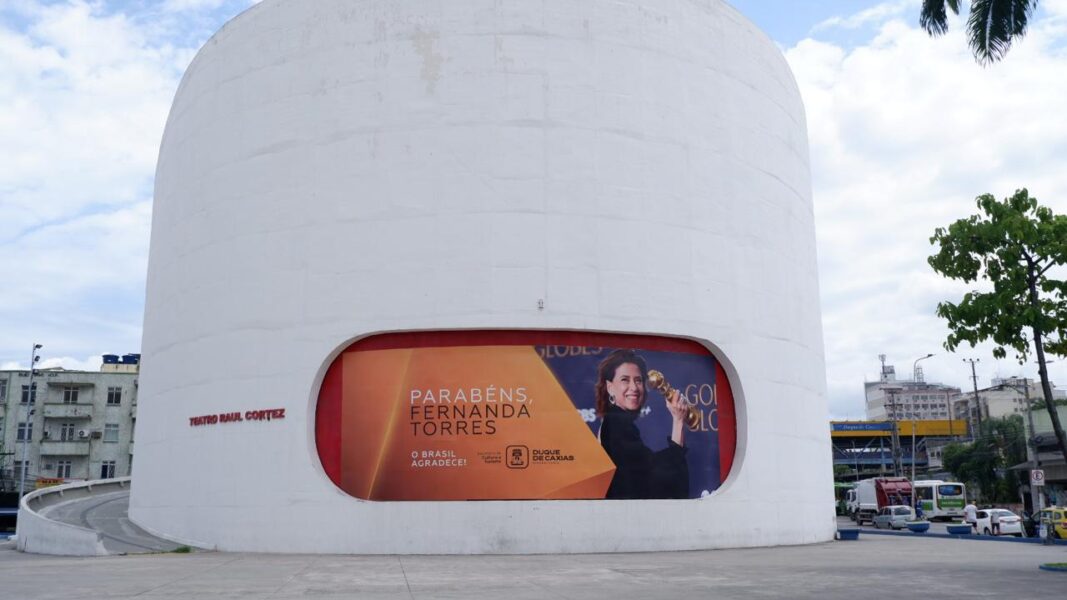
pixel 1057 565
pixel 182 550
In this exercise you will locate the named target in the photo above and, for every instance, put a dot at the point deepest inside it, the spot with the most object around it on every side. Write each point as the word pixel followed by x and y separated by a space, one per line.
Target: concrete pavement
pixel 107 514
pixel 872 566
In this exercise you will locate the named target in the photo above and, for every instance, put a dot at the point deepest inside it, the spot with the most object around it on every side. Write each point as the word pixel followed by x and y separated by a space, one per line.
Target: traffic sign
pixel 1037 477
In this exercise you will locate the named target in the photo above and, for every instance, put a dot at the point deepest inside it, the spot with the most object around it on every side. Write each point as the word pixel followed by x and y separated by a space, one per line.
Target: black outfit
pixel 639 472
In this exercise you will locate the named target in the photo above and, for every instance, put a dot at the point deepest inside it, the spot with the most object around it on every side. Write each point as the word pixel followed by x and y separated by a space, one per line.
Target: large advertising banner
pixel 519 415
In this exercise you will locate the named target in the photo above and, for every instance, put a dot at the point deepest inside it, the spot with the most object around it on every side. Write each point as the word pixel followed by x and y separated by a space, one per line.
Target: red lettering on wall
pixel 237 417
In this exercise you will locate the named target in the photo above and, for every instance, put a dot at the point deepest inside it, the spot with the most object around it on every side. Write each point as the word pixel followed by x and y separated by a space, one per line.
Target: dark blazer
pixel 641 473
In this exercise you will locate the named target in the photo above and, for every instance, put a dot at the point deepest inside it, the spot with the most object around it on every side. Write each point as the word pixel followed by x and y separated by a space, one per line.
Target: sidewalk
pixel 939 568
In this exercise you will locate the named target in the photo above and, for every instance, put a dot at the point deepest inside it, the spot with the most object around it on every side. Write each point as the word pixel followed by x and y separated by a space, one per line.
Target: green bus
pixel 941 499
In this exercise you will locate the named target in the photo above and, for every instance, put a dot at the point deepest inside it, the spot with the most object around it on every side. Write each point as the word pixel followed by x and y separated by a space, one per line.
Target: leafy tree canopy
pixel 1014 243
pixel 984 463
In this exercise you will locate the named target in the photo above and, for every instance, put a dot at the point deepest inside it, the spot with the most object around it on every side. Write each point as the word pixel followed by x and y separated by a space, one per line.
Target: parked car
pixel 1055 519
pixel 1010 523
pixel 893 517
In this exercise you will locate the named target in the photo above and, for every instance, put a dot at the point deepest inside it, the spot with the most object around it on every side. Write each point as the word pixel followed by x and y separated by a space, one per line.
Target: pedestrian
pixel 970 514
pixel 994 520
pixel 918 510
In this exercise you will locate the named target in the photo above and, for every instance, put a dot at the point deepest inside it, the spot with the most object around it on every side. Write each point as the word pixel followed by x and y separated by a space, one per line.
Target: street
pixel 934 567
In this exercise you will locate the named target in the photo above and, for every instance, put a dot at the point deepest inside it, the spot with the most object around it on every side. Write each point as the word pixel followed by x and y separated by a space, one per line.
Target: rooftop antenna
pixel 886 370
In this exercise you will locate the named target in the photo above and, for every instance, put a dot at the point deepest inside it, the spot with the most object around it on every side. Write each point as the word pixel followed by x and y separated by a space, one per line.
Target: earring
pixel 611 399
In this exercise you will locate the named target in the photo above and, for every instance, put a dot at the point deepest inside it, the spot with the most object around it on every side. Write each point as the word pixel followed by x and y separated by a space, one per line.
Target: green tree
pixel 984 463
pixel 1013 244
pixel 992 25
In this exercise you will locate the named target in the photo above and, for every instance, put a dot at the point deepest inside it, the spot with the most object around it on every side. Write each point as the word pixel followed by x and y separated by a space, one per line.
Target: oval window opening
pixel 525 415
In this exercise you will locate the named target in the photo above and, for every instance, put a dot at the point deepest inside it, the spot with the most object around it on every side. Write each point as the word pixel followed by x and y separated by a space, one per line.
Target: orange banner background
pixel 388 454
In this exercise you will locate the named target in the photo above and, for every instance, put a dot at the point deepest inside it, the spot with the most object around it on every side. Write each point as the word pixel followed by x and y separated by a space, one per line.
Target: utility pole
pixel 891 392
pixel 1036 502
pixel 31 399
pixel 913 452
pixel 977 403
pixel 856 459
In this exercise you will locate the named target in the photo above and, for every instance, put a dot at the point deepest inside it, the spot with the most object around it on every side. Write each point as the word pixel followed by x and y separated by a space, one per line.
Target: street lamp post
pixel 977 402
pixel 917 376
pixel 916 372
pixel 31 398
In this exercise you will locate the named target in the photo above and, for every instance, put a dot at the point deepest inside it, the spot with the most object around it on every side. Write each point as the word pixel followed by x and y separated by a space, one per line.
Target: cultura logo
pixel 518 457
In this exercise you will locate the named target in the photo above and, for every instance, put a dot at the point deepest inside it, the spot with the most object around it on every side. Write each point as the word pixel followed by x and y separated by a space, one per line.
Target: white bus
pixel 941 499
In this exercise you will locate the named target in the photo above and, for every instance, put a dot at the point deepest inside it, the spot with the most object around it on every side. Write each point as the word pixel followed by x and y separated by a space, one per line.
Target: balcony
pixel 67 411
pixel 65 448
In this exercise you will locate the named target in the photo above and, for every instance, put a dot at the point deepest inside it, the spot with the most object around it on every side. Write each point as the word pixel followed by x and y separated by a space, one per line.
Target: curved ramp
pixel 83 519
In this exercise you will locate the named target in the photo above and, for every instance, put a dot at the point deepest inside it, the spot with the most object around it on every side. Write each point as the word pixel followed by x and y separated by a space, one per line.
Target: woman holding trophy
pixel 640 473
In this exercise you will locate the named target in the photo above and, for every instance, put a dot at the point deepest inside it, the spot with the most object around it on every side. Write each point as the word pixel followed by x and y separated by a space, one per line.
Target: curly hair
pixel 606 372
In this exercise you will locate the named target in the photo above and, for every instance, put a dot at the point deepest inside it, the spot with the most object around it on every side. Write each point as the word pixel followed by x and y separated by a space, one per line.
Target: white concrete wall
pixel 37 534
pixel 337 168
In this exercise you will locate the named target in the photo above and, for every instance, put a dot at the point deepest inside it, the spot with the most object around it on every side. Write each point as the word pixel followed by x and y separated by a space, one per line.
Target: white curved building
pixel 337 169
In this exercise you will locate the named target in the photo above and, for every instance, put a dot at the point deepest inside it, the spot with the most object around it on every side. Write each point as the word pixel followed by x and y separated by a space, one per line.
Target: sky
pixel 905 131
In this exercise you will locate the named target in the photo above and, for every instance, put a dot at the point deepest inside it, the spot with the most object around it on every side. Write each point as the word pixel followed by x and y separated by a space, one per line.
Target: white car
pixel 893 517
pixel 1010 523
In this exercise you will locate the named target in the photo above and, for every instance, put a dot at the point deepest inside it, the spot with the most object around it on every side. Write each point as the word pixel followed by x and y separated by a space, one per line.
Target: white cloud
pixel 873 15
pixel 81 96
pixel 84 95
pixel 905 131
pixel 184 5
pixel 63 362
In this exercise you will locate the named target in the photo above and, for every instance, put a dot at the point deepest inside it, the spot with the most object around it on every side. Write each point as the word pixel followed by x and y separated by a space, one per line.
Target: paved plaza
pixel 872 566
pixel 108 514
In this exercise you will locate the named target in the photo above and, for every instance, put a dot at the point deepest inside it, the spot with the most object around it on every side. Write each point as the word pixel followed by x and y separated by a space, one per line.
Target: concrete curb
pixel 38 534
pixel 980 538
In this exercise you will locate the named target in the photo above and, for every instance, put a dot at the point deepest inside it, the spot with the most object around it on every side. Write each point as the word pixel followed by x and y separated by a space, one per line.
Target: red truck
pixel 872 495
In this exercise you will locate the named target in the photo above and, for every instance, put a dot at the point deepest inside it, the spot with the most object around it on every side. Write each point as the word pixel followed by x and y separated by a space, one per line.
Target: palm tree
pixel 991 26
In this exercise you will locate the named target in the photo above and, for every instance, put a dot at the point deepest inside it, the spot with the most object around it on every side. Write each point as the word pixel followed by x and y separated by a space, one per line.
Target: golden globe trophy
pixel 658 382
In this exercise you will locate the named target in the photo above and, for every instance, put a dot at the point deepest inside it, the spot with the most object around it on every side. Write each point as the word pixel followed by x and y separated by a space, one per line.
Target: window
pixel 66 432
pixel 63 469
pixel 70 395
pixel 27 397
pixel 18 469
pixel 111 432
pixel 114 396
pixel 25 433
pixel 3 390
pixel 107 469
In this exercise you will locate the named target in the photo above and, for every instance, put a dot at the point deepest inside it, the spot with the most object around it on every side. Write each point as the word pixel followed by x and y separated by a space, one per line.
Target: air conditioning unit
pixel 82 434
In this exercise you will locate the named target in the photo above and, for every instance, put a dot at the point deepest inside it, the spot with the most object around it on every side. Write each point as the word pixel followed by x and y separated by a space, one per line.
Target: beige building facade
pixel 71 426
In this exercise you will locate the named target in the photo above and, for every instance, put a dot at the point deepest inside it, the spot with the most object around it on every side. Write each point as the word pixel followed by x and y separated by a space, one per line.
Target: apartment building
pixel 70 425
pixel 895 399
